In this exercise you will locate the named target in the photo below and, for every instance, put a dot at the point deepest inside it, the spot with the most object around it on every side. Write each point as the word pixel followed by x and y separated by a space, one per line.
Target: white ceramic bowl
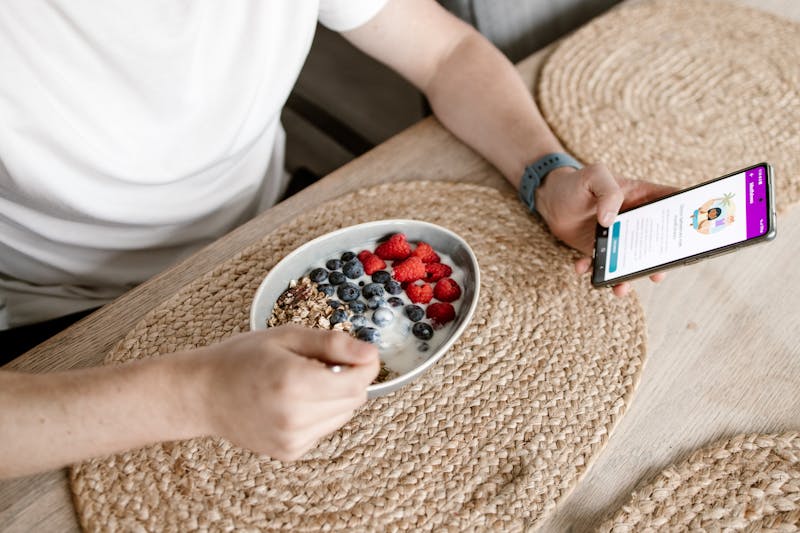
pixel 296 264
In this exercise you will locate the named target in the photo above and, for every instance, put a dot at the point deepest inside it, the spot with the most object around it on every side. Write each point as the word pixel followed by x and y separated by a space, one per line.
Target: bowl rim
pixel 444 347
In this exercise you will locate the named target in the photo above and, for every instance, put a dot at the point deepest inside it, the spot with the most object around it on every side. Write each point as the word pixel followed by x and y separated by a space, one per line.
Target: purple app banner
pixel 756 201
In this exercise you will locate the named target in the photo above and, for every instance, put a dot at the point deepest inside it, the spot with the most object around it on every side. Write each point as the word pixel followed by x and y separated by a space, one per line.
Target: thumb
pixel 332 347
pixel 607 191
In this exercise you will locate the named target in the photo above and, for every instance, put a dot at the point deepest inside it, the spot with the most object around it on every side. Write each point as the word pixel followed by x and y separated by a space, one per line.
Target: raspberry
pixel 436 271
pixel 419 294
pixel 426 253
pixel 440 313
pixel 395 248
pixel 372 263
pixel 447 290
pixel 411 269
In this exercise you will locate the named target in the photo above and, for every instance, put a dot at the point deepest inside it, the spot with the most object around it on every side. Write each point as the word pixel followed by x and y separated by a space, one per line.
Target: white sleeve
pixel 344 15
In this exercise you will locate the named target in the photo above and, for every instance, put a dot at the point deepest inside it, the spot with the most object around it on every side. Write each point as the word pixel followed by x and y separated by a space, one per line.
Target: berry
pixel 382 317
pixel 333 264
pixel 411 269
pixel 440 313
pixel 419 294
pixel 415 313
pixel 393 287
pixel 336 278
pixel 394 301
pixel 338 316
pixel 423 331
pixel 375 302
pixel 358 321
pixel 318 275
pixel 447 290
pixel 372 289
pixel 372 263
pixel 353 269
pixel 436 271
pixel 357 306
pixel 348 292
pixel 426 253
pixel 326 289
pixel 348 256
pixel 335 303
pixel 423 347
pixel 395 248
pixel 380 276
pixel 369 334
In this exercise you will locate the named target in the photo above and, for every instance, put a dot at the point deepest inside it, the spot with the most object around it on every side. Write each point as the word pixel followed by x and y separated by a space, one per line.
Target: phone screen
pixel 713 215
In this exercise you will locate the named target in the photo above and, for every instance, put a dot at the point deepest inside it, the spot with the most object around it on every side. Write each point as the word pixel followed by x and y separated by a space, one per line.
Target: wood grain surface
pixel 723 356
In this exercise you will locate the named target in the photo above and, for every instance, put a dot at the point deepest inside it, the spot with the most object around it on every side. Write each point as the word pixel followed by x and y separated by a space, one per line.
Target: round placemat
pixel 680 92
pixel 489 438
pixel 748 483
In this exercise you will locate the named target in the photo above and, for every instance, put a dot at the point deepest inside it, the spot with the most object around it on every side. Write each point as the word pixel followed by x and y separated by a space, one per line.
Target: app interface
pixel 724 212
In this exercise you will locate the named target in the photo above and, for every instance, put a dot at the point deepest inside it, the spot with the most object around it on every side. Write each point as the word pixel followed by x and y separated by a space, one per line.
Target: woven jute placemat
pixel 680 92
pixel 747 483
pixel 490 438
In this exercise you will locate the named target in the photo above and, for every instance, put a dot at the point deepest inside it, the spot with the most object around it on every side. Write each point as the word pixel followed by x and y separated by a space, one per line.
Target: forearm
pixel 52 420
pixel 479 96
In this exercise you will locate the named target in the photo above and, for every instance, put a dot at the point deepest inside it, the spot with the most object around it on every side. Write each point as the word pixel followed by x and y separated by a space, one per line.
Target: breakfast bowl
pixel 363 283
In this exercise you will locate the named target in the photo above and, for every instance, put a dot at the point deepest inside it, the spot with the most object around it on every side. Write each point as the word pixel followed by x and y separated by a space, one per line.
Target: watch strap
pixel 536 172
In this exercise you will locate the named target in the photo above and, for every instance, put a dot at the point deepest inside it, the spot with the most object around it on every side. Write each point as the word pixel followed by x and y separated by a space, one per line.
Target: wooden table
pixel 723 356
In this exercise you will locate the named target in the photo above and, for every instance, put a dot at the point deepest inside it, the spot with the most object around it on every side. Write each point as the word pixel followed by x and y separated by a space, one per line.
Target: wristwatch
pixel 536 172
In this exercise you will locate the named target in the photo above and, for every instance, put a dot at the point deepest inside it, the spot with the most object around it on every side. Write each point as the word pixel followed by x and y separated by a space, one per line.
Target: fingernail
pixel 608 218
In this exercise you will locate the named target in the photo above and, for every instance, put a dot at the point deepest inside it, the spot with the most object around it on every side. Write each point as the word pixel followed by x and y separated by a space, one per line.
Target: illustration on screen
pixel 714 215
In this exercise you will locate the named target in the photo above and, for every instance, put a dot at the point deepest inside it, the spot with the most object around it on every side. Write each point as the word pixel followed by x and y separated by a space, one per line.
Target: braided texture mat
pixel 490 438
pixel 748 483
pixel 680 92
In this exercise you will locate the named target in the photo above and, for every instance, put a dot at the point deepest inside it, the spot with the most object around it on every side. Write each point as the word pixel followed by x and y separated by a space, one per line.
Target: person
pixel 131 134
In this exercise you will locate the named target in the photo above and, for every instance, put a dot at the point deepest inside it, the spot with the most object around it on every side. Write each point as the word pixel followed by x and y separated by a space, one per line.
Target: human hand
pixel 272 391
pixel 572 201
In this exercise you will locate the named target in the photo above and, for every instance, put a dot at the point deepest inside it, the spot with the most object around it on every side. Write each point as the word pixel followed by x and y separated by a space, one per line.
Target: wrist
pixel 544 194
pixel 187 384
pixel 536 172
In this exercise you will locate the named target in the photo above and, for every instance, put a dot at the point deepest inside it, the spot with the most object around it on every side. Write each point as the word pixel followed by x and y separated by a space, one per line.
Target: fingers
pixel 639 192
pixel 583 265
pixel 333 347
pixel 657 278
pixel 607 191
pixel 622 289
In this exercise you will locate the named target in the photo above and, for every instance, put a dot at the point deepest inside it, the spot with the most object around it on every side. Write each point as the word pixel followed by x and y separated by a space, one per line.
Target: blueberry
pixel 358 321
pixel 357 306
pixel 415 313
pixel 369 334
pixel 340 315
pixel 335 303
pixel 372 289
pixel 353 269
pixel 393 287
pixel 333 264
pixel 326 289
pixel 336 278
pixel 423 331
pixel 347 292
pixel 318 275
pixel 375 302
pixel 382 317
pixel 423 347
pixel 381 276
pixel 360 283
pixel 394 301
pixel 348 256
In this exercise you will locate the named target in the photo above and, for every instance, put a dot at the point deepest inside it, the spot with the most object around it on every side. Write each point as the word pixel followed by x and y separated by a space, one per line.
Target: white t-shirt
pixel 132 133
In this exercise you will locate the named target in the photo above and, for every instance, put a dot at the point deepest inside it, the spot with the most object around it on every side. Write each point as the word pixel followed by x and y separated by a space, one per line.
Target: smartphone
pixel 709 219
